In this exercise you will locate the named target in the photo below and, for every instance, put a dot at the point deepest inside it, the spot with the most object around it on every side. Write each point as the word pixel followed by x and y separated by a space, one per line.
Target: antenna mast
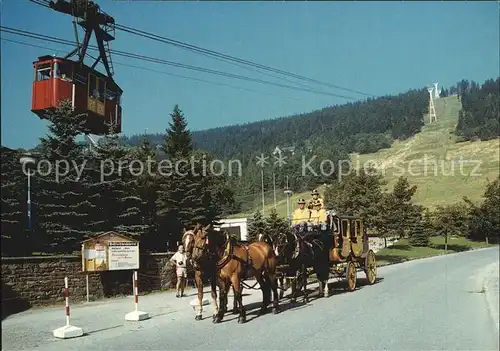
pixel 432 110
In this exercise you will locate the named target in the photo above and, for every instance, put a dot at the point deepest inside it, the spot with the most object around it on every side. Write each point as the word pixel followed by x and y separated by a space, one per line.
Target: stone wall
pixel 31 281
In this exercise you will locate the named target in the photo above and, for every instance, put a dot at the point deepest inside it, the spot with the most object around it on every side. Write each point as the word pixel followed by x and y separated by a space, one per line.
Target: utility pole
pixel 288 193
pixel 262 186
pixel 274 189
pixel 28 162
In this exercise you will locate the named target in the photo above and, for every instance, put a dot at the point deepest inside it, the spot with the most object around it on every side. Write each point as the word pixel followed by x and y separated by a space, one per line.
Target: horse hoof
pixel 241 320
pixel 276 310
pixel 197 318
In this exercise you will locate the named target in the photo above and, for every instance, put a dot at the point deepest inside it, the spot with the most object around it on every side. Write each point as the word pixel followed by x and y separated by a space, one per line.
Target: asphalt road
pixel 432 304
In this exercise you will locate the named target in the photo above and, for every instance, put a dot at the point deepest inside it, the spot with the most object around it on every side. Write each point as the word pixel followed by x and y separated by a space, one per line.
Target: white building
pixel 236 226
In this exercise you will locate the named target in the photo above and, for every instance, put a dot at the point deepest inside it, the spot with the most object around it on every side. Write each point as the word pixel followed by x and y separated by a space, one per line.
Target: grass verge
pixel 402 251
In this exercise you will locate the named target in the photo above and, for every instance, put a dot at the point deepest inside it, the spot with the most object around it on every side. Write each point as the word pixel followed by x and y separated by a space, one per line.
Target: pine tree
pixel 419 234
pixel 484 221
pixel 402 210
pixel 357 194
pixel 178 140
pixel 147 188
pixel 15 237
pixel 121 204
pixel 185 195
pixel 61 202
pixel 257 226
pixel 276 225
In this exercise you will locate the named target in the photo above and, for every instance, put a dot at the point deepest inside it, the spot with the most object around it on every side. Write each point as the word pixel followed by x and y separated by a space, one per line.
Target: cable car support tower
pixel 91 18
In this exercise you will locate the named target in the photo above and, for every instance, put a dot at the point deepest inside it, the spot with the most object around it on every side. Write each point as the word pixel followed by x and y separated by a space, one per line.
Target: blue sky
pixel 378 48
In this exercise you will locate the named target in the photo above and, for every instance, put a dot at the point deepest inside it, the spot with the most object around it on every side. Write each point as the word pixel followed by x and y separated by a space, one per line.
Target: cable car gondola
pixel 91 92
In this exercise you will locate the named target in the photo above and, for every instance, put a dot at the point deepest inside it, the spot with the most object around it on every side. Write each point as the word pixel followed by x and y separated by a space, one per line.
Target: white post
pixel 136 315
pixel 68 331
pixel 136 291
pixel 66 290
pixel 87 281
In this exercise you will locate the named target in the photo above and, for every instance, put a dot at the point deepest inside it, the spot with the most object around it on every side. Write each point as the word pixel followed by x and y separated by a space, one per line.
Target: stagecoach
pixel 349 252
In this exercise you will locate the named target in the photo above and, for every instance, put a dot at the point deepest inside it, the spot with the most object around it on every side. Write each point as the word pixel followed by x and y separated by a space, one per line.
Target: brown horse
pixel 284 276
pixel 235 263
pixel 208 270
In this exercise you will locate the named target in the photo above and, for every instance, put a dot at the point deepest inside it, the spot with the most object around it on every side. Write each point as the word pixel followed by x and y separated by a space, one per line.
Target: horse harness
pixel 229 255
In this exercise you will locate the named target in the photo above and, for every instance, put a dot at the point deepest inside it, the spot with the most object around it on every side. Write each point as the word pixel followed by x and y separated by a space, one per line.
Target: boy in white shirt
pixel 181 269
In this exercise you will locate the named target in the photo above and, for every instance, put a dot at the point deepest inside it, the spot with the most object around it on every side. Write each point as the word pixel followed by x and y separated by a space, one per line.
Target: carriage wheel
pixel 370 267
pixel 351 276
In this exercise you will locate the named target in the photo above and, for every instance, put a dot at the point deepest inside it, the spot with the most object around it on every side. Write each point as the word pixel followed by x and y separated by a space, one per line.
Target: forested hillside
pixel 480 110
pixel 327 134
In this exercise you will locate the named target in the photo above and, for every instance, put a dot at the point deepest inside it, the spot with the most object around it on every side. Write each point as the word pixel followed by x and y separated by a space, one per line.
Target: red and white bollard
pixel 136 315
pixel 68 331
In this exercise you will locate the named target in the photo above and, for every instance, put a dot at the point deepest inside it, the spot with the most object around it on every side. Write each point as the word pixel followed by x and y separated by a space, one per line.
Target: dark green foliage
pixel 276 225
pixel 478 118
pixel 63 209
pixel 257 226
pixel 396 214
pixel 450 220
pixel 357 194
pixel 453 218
pixel 147 190
pixel 15 237
pixel 484 220
pixel 178 139
pixel 186 195
pixel 419 232
pixel 121 204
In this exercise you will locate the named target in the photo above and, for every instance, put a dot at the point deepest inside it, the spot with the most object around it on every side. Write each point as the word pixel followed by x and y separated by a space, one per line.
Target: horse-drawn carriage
pixel 339 247
pixel 345 242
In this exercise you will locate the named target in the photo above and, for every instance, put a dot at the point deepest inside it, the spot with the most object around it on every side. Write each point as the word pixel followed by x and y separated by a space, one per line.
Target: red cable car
pixel 90 91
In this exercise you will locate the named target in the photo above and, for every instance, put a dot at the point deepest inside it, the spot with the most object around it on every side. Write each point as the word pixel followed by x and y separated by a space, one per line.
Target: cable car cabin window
pixel 63 71
pixel 43 72
pixel 110 95
pixel 101 85
pixel 79 78
pixel 93 93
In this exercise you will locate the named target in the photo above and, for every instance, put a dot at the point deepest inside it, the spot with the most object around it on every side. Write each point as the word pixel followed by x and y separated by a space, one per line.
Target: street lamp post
pixel 288 193
pixel 26 160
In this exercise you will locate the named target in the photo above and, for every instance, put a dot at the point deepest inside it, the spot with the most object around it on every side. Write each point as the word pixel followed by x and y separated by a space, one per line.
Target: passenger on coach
pixel 319 217
pixel 301 214
pixel 315 196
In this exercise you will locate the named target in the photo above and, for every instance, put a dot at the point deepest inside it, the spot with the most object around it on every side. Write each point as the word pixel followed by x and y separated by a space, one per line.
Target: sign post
pixel 113 252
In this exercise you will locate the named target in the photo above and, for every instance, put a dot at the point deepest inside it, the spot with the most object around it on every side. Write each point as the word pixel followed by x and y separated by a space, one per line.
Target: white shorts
pixel 181 272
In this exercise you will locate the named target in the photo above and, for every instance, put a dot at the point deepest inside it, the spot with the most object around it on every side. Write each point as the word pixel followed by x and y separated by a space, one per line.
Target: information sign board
pixel 110 252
